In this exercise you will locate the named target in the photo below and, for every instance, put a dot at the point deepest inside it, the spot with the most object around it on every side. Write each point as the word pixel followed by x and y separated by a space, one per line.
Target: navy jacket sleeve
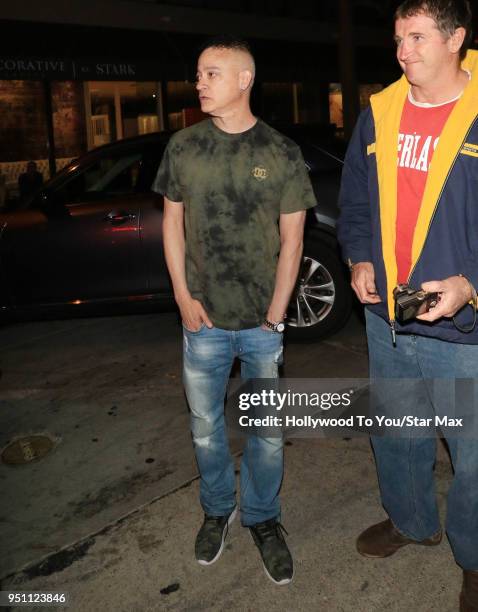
pixel 354 227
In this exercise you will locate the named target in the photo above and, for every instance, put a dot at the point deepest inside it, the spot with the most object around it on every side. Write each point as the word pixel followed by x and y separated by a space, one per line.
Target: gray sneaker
pixel 210 538
pixel 276 557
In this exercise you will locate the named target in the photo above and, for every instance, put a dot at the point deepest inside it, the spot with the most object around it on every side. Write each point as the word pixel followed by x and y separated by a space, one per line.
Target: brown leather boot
pixel 469 592
pixel 382 540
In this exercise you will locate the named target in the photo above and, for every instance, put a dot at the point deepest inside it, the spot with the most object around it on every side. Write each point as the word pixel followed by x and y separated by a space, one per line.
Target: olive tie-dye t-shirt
pixel 233 187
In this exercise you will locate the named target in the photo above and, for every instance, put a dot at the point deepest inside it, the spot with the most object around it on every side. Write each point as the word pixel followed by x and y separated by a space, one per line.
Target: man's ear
pixel 456 40
pixel 245 79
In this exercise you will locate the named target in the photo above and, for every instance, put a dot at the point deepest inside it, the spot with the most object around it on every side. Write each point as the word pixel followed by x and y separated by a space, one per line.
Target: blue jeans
pixel 405 464
pixel 208 358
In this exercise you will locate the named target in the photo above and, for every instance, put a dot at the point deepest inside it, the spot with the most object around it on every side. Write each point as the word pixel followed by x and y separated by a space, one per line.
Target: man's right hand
pixel 193 314
pixel 363 283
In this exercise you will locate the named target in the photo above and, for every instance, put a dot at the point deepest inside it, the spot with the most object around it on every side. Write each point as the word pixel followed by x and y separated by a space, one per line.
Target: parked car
pixel 92 236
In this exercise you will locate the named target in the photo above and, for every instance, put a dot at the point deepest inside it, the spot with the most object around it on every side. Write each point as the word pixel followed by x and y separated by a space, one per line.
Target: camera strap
pixel 474 303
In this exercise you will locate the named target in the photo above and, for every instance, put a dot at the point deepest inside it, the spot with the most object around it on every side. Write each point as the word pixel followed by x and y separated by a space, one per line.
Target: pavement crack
pixel 57 562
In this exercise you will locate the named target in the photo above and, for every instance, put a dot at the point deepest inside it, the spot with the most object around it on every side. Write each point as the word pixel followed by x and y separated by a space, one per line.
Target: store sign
pixel 34 67
pixel 108 71
pixel 61 69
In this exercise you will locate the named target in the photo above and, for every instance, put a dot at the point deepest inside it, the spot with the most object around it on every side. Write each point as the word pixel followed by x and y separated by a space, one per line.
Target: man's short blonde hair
pixel 226 41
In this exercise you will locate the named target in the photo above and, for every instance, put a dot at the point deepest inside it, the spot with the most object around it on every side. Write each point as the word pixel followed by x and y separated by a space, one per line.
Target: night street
pixel 239 306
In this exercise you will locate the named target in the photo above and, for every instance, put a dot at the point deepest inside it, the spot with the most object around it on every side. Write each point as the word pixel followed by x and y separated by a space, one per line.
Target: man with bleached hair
pixel 235 193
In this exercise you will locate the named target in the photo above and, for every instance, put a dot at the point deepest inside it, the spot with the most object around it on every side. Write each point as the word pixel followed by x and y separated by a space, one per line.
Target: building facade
pixel 81 74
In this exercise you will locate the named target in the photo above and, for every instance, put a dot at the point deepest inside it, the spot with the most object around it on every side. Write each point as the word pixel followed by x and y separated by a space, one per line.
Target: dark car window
pixel 149 167
pixel 326 159
pixel 108 176
pixel 322 158
pixel 322 150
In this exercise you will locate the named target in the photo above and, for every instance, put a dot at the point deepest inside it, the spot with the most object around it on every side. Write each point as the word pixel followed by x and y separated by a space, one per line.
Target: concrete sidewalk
pixel 98 519
pixel 146 561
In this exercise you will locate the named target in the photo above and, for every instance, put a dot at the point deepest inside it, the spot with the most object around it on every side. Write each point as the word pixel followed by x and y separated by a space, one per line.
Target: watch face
pixel 280 327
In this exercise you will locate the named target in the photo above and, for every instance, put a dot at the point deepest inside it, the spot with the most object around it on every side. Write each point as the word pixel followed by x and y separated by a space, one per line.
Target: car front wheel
pixel 322 299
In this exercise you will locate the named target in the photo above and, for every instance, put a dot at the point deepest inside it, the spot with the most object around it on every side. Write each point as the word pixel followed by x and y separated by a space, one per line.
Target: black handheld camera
pixel 409 302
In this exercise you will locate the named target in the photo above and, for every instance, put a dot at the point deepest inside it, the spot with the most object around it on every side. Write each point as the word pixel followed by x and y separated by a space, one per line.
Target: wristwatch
pixel 350 264
pixel 276 327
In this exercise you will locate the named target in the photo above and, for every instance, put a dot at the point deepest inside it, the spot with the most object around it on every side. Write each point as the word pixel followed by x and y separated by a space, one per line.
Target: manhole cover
pixel 27 449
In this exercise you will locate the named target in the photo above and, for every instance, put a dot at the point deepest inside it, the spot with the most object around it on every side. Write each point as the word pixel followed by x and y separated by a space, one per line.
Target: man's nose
pixel 200 84
pixel 403 51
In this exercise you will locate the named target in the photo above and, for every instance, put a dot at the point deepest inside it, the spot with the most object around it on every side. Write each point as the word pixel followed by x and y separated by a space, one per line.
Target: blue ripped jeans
pixel 405 464
pixel 207 361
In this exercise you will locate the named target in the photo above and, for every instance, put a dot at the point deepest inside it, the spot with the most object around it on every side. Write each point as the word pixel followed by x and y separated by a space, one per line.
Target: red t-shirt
pixel 420 130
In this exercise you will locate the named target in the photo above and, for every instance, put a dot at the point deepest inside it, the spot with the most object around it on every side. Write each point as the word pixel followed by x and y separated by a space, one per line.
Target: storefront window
pixel 117 110
pixel 23 132
pixel 335 100
pixel 139 109
pixel 183 104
